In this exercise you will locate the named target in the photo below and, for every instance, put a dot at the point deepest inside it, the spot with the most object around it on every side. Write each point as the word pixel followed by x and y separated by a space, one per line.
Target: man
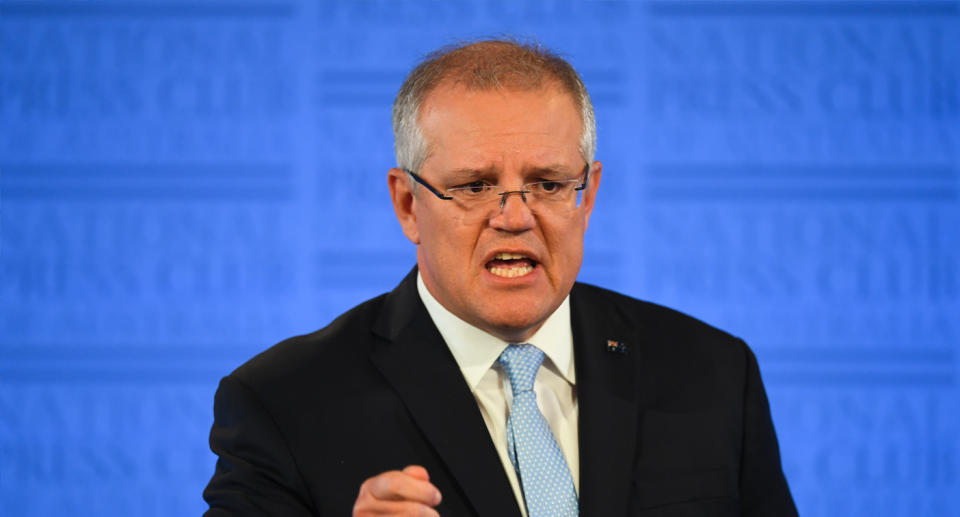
pixel 488 382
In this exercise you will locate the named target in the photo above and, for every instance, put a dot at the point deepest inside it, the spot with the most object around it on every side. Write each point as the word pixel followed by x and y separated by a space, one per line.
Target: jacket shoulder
pixel 684 363
pixel 649 315
pixel 666 333
pixel 345 341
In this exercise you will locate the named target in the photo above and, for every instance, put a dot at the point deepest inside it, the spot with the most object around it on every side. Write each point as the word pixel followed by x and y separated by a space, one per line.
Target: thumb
pixel 418 472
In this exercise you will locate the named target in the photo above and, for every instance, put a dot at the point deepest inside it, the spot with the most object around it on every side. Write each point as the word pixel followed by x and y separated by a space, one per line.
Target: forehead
pixel 500 128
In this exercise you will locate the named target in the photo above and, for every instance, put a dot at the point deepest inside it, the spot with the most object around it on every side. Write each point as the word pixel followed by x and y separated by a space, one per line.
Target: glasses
pixel 480 200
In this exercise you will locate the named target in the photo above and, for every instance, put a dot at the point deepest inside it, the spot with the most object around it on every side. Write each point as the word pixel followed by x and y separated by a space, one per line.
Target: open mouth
pixel 511 265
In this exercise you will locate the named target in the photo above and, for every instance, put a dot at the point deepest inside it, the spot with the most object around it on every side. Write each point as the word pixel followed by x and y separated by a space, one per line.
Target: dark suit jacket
pixel 674 422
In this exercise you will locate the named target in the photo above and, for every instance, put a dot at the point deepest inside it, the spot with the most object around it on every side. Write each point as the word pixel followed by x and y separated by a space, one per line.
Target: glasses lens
pixel 476 210
pixel 546 199
pixel 554 195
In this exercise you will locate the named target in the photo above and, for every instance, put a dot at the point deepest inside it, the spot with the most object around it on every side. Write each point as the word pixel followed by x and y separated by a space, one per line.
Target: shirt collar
pixel 476 351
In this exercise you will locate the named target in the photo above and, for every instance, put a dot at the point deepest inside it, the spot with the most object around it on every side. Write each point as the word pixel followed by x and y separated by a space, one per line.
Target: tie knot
pixel 521 363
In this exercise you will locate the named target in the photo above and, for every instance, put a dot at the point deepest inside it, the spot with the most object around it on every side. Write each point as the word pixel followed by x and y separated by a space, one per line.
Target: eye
pixel 476 187
pixel 550 187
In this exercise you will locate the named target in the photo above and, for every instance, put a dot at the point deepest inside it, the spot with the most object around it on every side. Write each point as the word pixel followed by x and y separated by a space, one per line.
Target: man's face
pixel 506 138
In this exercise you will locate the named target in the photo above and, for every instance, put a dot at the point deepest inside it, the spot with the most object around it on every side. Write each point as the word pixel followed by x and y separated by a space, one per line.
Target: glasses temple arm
pixel 586 176
pixel 429 187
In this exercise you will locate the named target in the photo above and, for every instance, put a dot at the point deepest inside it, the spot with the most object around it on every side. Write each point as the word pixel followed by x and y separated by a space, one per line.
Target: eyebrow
pixel 473 171
pixel 547 170
pixel 539 170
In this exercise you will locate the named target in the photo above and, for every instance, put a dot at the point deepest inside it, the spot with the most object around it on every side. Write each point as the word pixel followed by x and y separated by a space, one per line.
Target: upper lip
pixel 526 254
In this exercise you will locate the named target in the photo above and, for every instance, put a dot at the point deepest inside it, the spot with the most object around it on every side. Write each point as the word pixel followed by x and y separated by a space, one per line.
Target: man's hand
pixel 398 492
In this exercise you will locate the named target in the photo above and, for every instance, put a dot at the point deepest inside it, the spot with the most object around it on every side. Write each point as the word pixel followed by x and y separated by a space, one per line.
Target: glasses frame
pixel 503 195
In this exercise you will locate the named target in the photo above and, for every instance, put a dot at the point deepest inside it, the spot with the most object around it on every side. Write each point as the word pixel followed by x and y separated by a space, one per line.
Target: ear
pixel 590 193
pixel 401 193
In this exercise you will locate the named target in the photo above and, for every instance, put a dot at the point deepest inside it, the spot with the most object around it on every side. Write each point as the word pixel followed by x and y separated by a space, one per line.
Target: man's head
pixel 495 113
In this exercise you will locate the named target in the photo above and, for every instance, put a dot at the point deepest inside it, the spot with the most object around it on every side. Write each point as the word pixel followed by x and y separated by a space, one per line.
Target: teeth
pixel 508 256
pixel 511 272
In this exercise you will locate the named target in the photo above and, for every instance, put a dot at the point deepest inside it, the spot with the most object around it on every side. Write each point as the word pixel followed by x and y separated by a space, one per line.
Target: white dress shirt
pixel 476 353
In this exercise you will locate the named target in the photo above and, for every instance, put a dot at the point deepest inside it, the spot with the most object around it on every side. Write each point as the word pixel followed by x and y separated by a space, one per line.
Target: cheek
pixel 565 241
pixel 449 247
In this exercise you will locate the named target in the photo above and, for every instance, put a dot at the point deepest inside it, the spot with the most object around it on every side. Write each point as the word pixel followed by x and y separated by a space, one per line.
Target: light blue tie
pixel 547 486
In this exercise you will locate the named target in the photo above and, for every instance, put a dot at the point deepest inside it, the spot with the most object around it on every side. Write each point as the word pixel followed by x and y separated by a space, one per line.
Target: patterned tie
pixel 547 486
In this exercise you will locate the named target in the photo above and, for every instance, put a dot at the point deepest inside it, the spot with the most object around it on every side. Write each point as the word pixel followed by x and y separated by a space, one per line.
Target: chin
pixel 515 326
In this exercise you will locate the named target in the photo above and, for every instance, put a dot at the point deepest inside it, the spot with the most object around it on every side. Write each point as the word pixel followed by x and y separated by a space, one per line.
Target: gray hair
pixel 484 65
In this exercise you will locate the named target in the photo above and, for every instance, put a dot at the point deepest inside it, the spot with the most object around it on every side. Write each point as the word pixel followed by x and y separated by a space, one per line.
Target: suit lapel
pixel 606 388
pixel 417 363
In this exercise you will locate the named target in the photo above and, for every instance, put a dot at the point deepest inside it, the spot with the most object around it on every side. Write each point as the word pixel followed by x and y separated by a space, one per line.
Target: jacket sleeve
pixel 763 487
pixel 256 474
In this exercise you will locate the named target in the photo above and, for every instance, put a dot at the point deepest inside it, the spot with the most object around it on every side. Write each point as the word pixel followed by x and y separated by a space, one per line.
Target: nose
pixel 514 215
pixel 505 195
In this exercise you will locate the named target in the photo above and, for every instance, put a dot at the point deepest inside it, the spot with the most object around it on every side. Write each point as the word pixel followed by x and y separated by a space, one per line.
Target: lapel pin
pixel 616 346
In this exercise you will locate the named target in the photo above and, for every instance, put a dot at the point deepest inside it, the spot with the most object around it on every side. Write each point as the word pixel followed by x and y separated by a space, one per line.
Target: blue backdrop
pixel 183 184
